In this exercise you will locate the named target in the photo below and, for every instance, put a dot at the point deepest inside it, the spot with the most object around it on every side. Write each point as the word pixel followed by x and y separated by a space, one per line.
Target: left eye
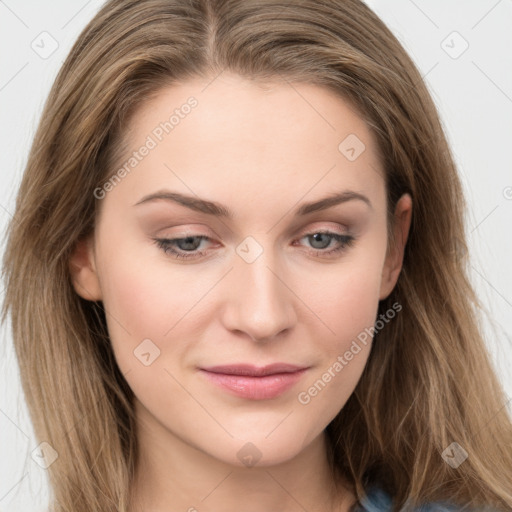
pixel 321 240
pixel 186 247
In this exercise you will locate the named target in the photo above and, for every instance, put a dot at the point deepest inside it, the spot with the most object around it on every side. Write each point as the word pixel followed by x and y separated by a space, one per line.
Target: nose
pixel 260 302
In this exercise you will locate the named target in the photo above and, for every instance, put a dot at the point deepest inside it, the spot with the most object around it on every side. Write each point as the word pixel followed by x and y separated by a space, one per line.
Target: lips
pixel 254 371
pixel 252 382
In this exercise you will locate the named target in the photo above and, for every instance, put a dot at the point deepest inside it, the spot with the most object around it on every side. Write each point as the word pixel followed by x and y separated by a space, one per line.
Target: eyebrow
pixel 218 210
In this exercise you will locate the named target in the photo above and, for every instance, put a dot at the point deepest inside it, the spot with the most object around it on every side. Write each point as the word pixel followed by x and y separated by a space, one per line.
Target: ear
pixel 396 246
pixel 82 269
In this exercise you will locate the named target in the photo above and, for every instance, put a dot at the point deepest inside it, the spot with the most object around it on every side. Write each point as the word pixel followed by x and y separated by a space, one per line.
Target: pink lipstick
pixel 255 383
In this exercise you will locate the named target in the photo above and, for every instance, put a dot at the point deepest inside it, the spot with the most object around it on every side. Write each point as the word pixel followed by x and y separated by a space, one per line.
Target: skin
pixel 261 151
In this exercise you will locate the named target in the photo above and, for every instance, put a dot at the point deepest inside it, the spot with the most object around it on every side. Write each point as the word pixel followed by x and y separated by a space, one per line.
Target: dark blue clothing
pixel 378 500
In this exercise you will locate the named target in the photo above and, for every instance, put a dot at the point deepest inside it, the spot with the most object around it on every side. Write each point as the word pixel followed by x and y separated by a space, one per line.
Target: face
pixel 250 232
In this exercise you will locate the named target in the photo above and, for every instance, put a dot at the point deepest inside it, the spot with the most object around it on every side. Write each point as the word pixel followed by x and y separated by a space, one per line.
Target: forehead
pixel 207 136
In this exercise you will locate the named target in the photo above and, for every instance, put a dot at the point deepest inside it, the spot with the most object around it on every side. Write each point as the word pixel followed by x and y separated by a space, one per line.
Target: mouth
pixel 255 383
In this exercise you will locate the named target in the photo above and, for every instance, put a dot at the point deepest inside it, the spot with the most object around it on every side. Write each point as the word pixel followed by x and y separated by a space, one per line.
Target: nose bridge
pixel 260 304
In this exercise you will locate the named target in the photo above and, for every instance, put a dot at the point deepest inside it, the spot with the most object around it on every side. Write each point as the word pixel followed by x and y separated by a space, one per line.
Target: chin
pixel 259 449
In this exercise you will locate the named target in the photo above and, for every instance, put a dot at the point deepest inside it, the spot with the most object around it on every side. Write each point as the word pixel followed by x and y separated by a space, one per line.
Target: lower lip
pixel 255 388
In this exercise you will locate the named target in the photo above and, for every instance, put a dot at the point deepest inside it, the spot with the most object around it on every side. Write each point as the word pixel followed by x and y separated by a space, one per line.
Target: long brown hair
pixel 428 381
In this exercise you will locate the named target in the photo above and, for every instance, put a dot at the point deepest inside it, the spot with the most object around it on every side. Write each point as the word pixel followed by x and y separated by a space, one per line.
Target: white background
pixel 473 93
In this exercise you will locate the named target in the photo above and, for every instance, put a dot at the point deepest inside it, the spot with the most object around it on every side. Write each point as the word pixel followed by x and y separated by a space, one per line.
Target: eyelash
pixel 166 244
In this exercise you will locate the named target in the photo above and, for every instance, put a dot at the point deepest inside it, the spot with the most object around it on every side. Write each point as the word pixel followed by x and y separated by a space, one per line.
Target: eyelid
pixel 320 227
pixel 185 231
pixel 316 227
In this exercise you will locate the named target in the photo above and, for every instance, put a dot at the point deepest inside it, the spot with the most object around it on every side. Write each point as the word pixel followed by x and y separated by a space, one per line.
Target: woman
pixel 242 231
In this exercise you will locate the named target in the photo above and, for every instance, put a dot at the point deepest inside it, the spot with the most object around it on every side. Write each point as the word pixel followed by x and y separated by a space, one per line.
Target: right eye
pixel 182 248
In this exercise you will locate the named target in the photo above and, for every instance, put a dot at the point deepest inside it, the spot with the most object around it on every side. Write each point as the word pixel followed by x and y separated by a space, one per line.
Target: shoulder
pixel 377 500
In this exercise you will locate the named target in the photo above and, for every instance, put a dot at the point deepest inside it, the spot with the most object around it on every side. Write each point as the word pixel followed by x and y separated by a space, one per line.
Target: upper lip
pixel 254 371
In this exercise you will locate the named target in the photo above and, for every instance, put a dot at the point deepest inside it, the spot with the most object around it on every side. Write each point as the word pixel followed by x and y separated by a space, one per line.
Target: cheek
pixel 346 297
pixel 347 304
pixel 350 312
pixel 149 308
pixel 141 302
pixel 351 298
pixel 351 316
